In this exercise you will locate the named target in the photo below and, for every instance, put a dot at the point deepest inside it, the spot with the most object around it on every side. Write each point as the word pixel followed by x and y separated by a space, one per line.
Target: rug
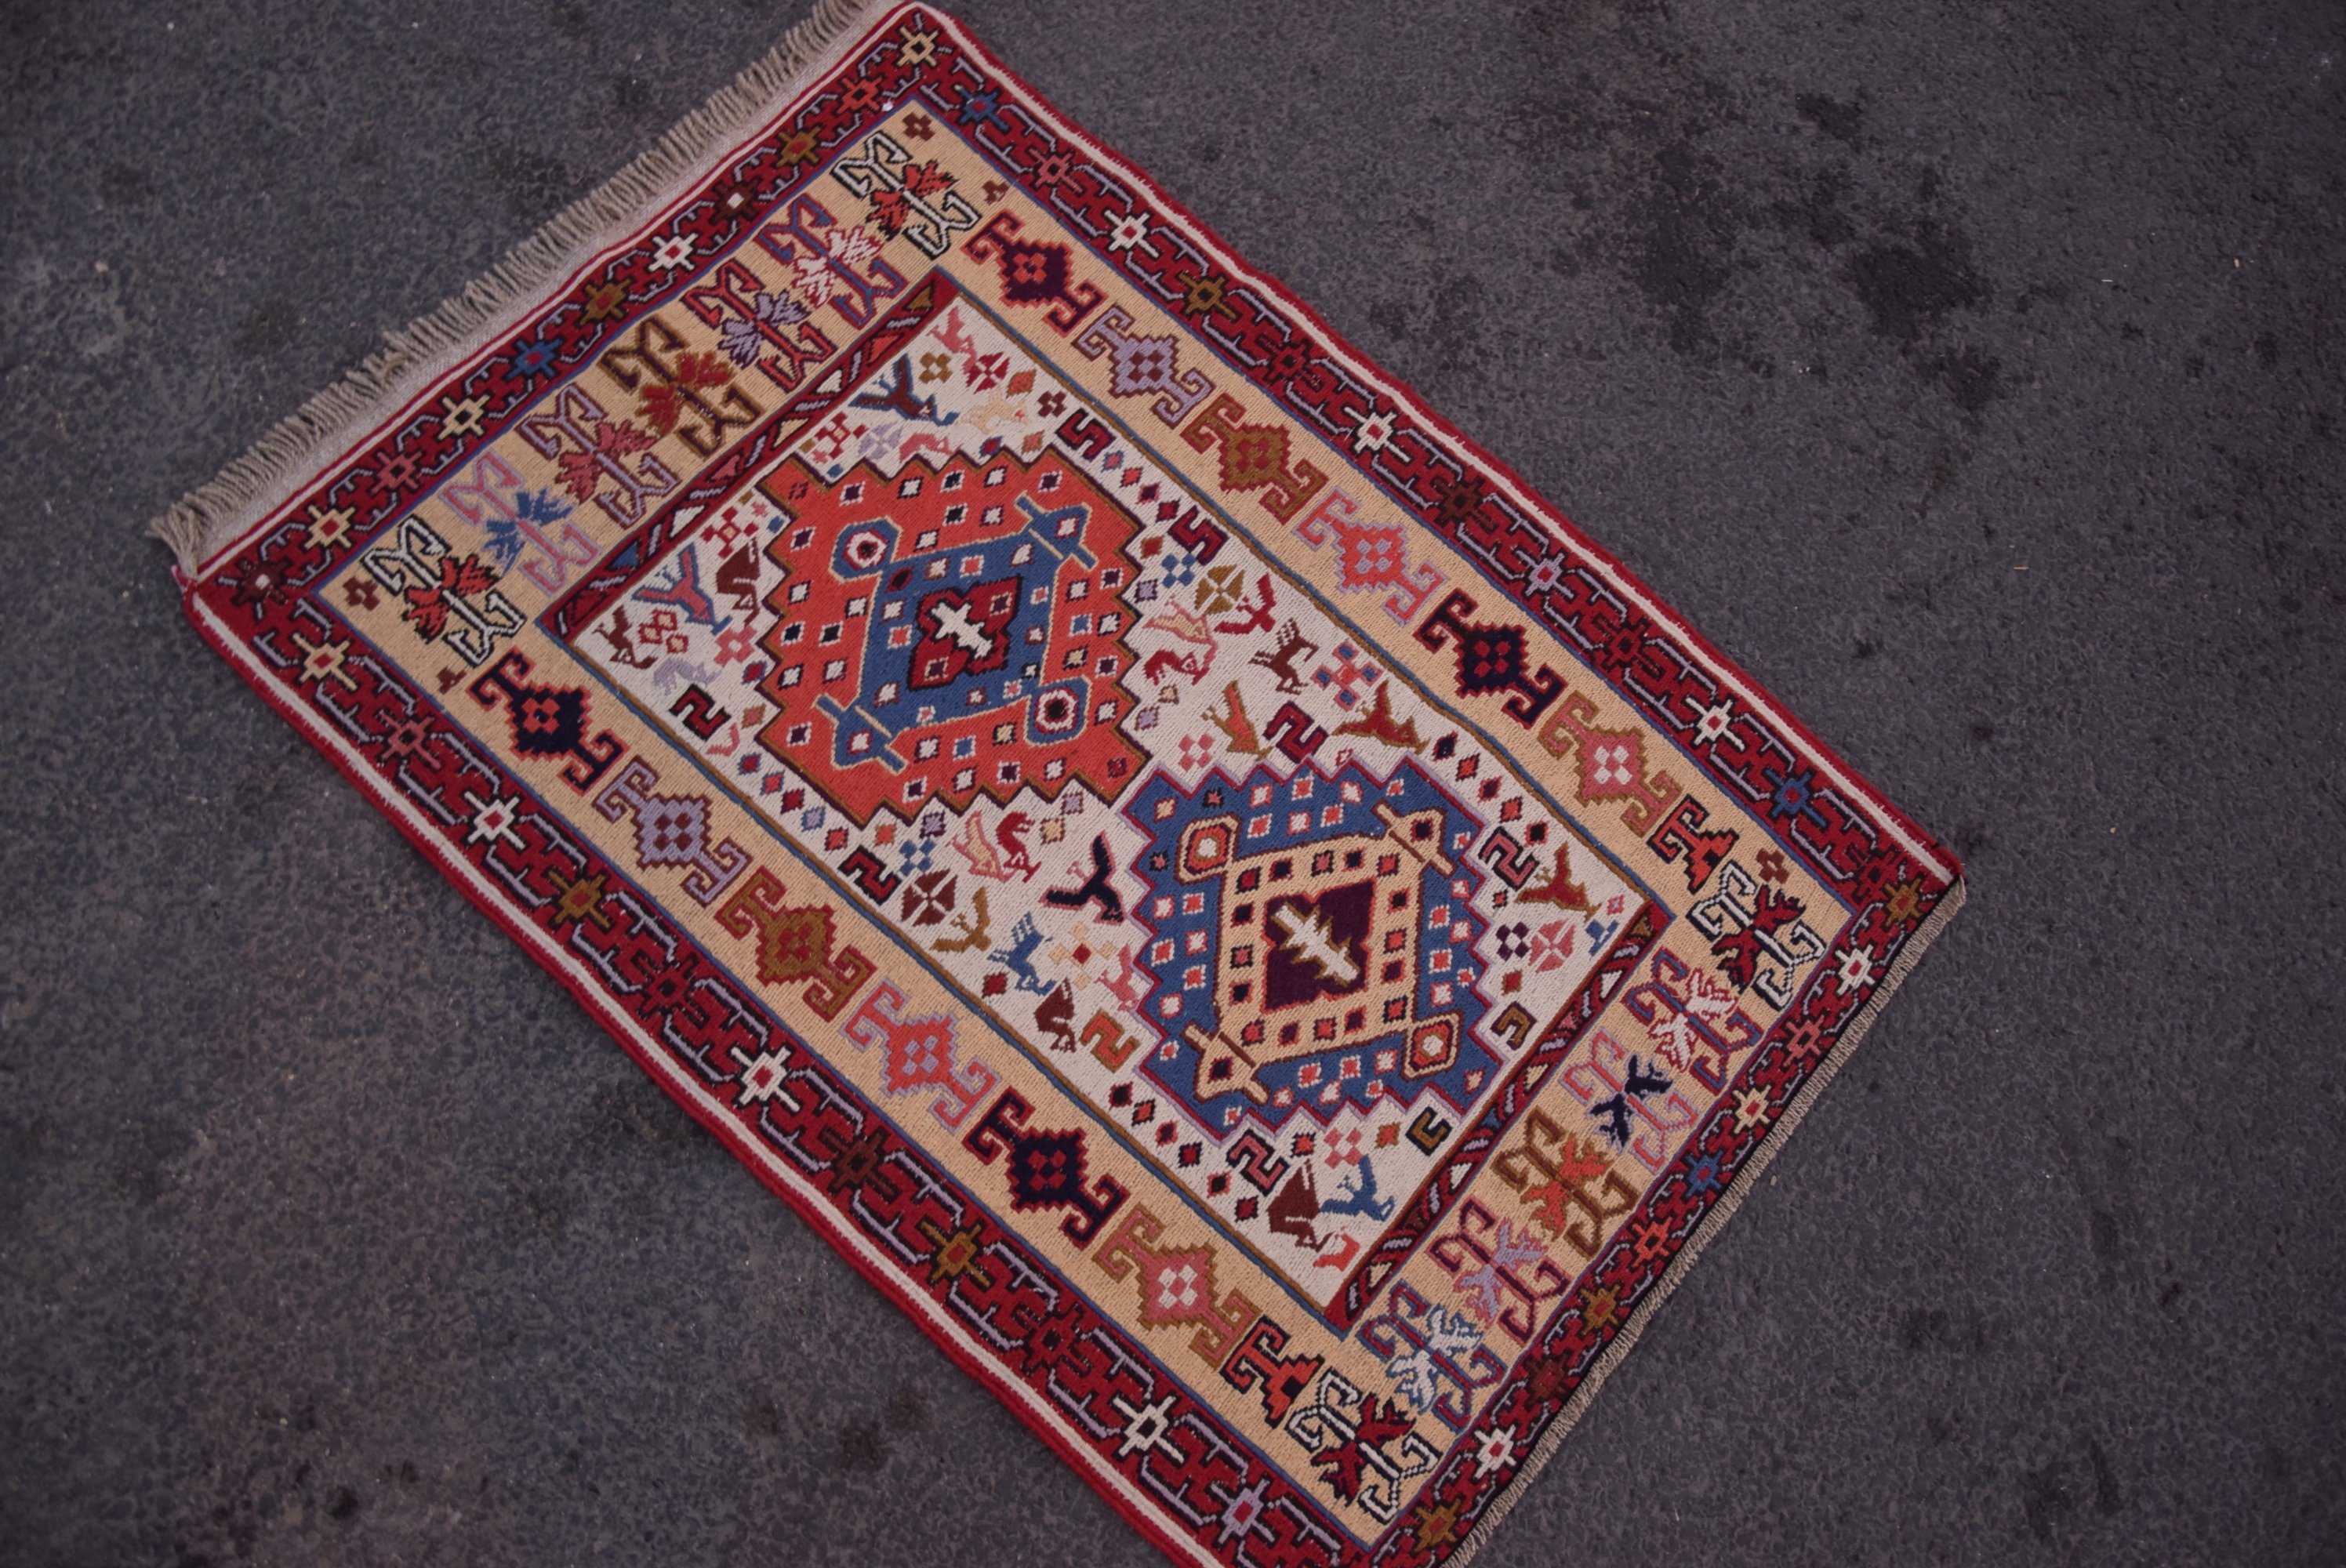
pixel 1272 946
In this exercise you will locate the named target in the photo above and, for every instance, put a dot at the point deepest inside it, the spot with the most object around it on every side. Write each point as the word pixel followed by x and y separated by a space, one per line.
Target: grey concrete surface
pixel 1971 374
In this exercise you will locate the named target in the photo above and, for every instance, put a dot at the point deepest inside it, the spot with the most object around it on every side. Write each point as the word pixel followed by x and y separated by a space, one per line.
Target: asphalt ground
pixel 1970 373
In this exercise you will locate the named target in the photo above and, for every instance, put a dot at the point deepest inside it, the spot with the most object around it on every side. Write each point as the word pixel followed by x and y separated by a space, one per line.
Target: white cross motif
pixel 1177 1286
pixel 1310 939
pixel 1609 764
pixel 953 623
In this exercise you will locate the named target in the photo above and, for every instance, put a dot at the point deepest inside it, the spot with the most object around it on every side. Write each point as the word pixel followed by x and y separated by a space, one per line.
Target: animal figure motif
pixel 736 579
pixel 924 442
pixel 1185 624
pixel 1339 1252
pixel 1121 986
pixel 1018 958
pixel 999 856
pixel 1559 890
pixel 1011 834
pixel 1055 1018
pixel 676 669
pixel 954 335
pixel 1153 669
pixel 1359 1194
pixel 1679 1036
pixel 898 399
pixel 1100 887
pixel 1281 658
pixel 620 635
pixel 1378 724
pixel 1235 726
pixel 1293 1209
pixel 973 931
pixel 996 412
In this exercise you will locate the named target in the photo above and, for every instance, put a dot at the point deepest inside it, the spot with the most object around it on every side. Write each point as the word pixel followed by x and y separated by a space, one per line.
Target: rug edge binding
pixel 1708 1230
pixel 216 512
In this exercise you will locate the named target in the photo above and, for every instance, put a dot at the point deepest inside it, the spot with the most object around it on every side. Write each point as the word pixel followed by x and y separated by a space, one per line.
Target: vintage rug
pixel 1266 941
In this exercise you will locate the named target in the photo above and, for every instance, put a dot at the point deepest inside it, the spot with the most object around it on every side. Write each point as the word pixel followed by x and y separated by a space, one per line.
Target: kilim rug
pixel 1271 945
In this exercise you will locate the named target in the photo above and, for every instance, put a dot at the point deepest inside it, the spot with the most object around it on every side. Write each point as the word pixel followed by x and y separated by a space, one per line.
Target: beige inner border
pixel 216 514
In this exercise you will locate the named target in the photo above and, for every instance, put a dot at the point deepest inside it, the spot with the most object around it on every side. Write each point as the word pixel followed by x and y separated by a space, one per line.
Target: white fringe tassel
pixel 214 514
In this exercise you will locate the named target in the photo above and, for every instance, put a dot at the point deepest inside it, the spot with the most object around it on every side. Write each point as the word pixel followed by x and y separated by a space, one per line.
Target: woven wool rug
pixel 1272 946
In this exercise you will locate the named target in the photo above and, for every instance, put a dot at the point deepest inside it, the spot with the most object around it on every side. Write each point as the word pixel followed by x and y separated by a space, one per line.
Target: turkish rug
pixel 1266 942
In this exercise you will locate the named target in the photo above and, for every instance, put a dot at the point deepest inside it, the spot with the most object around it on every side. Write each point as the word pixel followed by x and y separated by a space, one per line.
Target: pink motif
pixel 1371 555
pixel 917 1053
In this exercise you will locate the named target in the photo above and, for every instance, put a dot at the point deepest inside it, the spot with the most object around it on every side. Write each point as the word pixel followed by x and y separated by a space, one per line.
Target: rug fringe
pixel 215 513
pixel 1746 1182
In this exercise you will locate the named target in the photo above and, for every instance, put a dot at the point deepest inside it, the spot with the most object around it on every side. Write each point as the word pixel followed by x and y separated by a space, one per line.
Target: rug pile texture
pixel 1268 944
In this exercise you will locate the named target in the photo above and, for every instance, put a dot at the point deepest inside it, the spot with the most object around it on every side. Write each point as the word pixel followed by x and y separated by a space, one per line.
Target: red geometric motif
pixel 953 632
pixel 1612 763
pixel 1370 556
pixel 1176 1285
pixel 918 1052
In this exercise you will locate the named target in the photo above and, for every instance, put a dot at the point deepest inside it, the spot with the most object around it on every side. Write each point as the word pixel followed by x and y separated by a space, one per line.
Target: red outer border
pixel 1797 1065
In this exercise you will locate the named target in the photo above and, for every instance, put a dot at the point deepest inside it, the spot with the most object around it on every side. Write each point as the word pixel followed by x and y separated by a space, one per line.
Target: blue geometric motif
pixel 956 631
pixel 1312 941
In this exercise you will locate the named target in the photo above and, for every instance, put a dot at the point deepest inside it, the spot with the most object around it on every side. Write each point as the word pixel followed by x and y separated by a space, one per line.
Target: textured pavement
pixel 1971 375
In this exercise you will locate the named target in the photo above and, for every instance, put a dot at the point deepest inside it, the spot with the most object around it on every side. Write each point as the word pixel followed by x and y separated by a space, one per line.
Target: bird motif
pixel 1011 834
pixel 1236 729
pixel 1121 986
pixel 1018 958
pixel 898 399
pixel 1559 890
pixel 1002 853
pixel 1359 1194
pixel 617 633
pixel 1257 617
pixel 1055 1018
pixel 1187 625
pixel 1099 886
pixel 1153 671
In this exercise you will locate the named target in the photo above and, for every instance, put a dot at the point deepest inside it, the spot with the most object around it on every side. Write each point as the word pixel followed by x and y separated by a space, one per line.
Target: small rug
pixel 1272 946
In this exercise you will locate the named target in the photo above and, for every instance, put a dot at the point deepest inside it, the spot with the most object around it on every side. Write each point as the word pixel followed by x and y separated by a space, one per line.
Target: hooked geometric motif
pixel 947 632
pixel 1312 939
